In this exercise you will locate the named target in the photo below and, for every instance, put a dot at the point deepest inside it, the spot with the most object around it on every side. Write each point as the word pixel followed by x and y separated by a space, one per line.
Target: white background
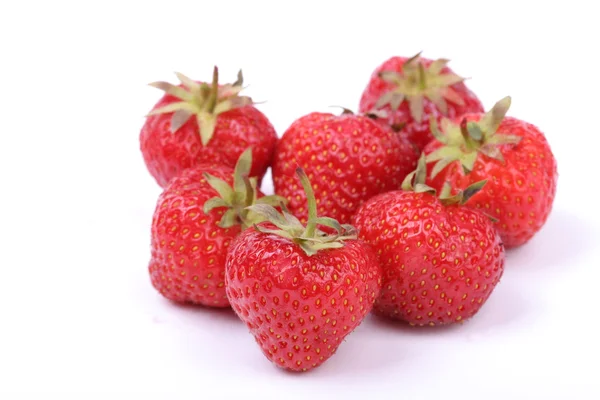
pixel 77 311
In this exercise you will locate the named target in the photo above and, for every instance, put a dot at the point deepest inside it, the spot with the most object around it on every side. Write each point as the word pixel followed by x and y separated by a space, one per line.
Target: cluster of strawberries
pixel 405 209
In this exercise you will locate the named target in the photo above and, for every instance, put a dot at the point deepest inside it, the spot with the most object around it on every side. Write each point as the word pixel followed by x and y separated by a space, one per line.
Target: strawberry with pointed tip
pixel 441 260
pixel 513 155
pixel 413 89
pixel 197 216
pixel 348 157
pixel 198 123
pixel 301 291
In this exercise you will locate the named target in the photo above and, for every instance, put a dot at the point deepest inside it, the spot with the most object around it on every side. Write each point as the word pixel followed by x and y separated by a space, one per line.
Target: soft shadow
pixel 506 306
pixel 365 351
pixel 382 322
pixel 191 313
pixel 565 238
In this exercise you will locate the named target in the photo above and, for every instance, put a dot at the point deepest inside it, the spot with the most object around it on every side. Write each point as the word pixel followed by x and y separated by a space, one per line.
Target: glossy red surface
pixel 416 132
pixel 188 247
pixel 440 263
pixel 348 159
pixel 167 154
pixel 520 192
pixel 300 308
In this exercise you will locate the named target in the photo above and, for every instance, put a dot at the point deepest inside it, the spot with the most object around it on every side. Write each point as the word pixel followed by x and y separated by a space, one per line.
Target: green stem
pixel 469 143
pixel 212 100
pixel 311 224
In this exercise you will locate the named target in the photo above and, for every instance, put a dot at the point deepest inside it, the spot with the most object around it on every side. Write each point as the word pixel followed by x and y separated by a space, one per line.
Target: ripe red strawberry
pixel 513 155
pixel 224 124
pixel 299 290
pixel 440 259
pixel 412 90
pixel 349 158
pixel 192 228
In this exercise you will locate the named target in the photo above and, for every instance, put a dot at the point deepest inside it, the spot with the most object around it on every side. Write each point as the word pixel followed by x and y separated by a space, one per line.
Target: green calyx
pixel 415 182
pixel 465 141
pixel 417 82
pixel 238 198
pixel 310 238
pixel 202 100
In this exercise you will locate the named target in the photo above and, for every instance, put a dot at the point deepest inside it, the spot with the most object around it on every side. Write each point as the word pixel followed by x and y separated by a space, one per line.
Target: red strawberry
pixel 224 125
pixel 299 290
pixel 441 260
pixel 412 90
pixel 513 155
pixel 192 230
pixel 349 158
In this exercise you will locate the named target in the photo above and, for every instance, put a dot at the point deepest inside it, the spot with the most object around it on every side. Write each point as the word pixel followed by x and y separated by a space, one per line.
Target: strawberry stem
pixel 311 202
pixel 310 238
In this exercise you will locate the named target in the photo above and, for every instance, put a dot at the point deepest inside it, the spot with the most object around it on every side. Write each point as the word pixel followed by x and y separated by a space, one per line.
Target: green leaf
pixel 423 188
pixel 397 99
pixel 472 190
pixel 445 80
pixel 437 66
pixel 492 152
pixel 292 221
pixel 446 191
pixel 242 169
pixel 385 98
pixel 173 90
pixel 272 200
pixel 187 82
pixel 213 203
pixel 240 79
pixel 492 119
pixel 222 187
pixel 504 139
pixel 437 99
pixel 407 182
pixel 179 118
pixel 440 165
pixel 330 222
pixel 450 152
pixel 277 232
pixel 474 131
pixel 270 214
pixel 231 103
pixel 169 108
pixel 416 107
pixel 207 123
pixel 390 76
pixel 410 62
pixel 229 219
pixel 468 161
pixel 450 94
pixel 421 171
pixel 307 248
pixel 435 131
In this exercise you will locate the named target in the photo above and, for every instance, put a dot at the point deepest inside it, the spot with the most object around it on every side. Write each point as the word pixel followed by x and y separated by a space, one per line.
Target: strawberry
pixel 412 90
pixel 513 155
pixel 224 125
pixel 348 157
pixel 300 290
pixel 440 259
pixel 197 216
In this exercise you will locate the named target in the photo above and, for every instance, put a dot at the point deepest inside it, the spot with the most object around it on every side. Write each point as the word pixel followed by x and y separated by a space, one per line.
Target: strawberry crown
pixel 202 100
pixel 463 142
pixel 310 238
pixel 239 197
pixel 415 182
pixel 417 82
